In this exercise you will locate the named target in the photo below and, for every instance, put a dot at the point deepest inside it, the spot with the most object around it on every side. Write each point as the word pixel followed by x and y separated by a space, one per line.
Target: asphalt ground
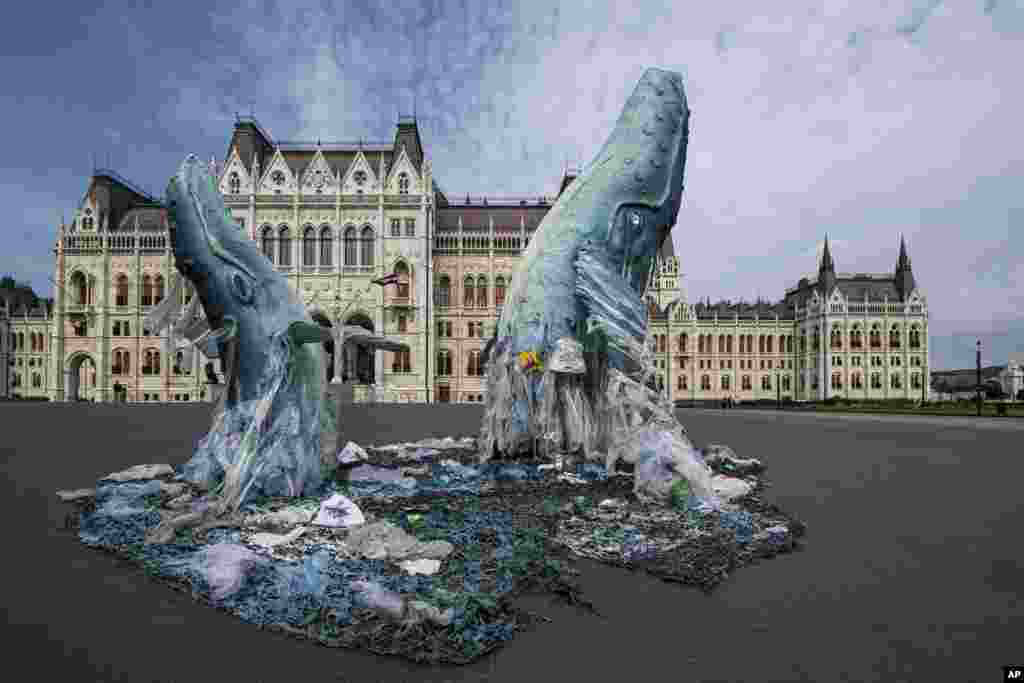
pixel 912 567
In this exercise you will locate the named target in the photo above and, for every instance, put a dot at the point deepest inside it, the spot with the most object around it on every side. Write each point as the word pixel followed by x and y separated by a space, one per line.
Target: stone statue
pixel 568 368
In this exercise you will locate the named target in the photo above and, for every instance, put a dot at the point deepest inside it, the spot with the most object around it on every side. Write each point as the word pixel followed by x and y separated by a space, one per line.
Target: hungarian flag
pixel 391 279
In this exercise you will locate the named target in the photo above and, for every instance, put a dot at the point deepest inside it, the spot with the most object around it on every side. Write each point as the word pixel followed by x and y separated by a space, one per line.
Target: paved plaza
pixel 912 567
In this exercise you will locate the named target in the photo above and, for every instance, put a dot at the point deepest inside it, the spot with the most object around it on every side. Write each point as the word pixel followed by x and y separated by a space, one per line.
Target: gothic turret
pixel 904 277
pixel 826 271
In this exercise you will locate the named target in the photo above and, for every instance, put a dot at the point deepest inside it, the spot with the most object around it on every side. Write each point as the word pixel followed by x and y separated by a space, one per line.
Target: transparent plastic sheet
pixel 548 418
pixel 271 445
pixel 567 357
pixel 576 415
pixel 162 315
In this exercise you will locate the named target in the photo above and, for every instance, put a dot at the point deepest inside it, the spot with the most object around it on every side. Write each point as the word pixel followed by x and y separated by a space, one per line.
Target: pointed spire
pixel 903 261
pixel 826 258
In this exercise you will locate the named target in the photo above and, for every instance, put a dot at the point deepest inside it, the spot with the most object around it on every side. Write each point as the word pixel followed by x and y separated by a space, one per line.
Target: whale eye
pixel 634 219
pixel 241 288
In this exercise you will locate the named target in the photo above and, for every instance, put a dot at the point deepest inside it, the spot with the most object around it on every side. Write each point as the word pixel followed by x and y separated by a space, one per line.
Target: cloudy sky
pixel 862 119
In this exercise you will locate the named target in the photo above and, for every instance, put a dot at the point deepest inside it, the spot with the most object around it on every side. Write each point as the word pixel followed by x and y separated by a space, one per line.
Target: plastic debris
pixel 730 488
pixel 661 458
pixel 225 566
pixel 421 566
pixel 376 597
pixel 269 540
pixel 339 511
pixel 567 357
pixel 138 472
pixel 286 518
pixel 383 540
pixel 351 454
pixel 740 522
pixel 417 611
pixel 76 494
pixel 371 473
pixel 724 458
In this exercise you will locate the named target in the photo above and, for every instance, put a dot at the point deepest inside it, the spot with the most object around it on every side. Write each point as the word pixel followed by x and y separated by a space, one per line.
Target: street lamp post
pixel 978 374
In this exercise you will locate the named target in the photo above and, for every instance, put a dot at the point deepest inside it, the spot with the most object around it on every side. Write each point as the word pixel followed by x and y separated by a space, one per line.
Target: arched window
pixel 326 246
pixel 81 288
pixel 782 343
pixel 705 382
pixel 875 337
pixel 769 339
pixel 121 290
pixel 402 291
pixel 284 246
pixel 682 342
pixel 158 289
pixel 745 384
pixel 894 337
pixel 894 381
pixel 309 246
pixel 837 380
pixel 121 364
pixel 835 338
pixel 444 363
pixel 403 183
pixel 856 381
pixel 443 292
pixel 481 292
pixel 856 339
pixel 467 291
pixel 789 343
pixel 367 243
pixel 681 383
pixel 151 362
pixel 37 380
pixel 401 361
pixel 760 343
pixel 19 345
pixel 267 243
pixel 728 344
pixel 234 183
pixel 349 242
pixel 147 291
pixel 915 337
pixel 721 343
pixel 816 341
pixel 473 368
pixel 499 291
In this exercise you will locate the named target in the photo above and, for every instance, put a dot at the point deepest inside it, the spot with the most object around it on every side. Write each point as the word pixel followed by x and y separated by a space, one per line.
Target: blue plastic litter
pixel 739 522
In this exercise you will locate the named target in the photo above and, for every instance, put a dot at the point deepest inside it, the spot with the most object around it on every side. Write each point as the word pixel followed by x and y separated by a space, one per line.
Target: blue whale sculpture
pixel 267 433
pixel 567 367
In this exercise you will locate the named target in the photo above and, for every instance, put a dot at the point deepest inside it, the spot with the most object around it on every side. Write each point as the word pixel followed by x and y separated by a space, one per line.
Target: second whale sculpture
pixel 568 368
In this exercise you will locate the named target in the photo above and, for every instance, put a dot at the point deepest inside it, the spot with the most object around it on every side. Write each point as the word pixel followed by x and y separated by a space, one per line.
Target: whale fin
pixel 610 303
pixel 302 332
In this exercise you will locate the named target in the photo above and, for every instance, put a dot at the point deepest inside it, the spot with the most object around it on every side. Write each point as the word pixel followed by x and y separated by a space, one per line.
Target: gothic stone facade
pixel 334 216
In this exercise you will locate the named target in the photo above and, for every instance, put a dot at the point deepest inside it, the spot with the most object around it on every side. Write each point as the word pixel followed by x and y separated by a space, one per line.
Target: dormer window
pixel 277 177
pixel 234 183
pixel 87 220
pixel 403 183
pixel 360 178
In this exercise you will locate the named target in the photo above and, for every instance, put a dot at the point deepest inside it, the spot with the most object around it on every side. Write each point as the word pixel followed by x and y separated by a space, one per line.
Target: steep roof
pixel 744 310
pixel 507 214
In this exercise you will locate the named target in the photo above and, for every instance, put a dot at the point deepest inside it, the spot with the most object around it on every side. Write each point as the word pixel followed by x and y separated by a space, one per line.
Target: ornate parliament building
pixel 334 216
